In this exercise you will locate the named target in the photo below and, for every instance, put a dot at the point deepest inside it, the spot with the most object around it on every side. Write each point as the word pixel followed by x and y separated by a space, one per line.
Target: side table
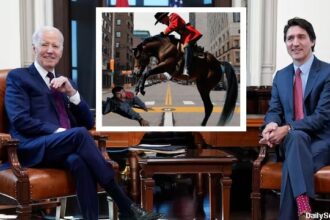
pixel 206 161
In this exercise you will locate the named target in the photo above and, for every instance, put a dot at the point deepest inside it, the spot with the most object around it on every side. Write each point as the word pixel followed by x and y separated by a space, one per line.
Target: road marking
pixel 168 118
pixel 187 109
pixel 150 103
pixel 188 103
pixel 168 95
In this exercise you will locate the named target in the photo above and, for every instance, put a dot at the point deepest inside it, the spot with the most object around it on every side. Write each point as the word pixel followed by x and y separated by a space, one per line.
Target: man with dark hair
pixel 189 34
pixel 298 118
pixel 122 102
pixel 50 119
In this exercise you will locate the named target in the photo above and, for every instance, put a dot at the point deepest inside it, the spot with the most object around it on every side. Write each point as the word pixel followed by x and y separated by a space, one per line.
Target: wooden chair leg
pixel 135 178
pixel 226 186
pixel 24 212
pixel 256 209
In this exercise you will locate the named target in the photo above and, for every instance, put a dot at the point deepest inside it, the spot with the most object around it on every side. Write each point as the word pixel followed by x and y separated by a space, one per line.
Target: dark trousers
pixel 188 53
pixel 75 150
pixel 303 157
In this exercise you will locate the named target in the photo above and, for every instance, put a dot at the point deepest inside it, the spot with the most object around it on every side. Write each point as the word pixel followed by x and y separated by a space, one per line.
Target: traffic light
pixel 112 65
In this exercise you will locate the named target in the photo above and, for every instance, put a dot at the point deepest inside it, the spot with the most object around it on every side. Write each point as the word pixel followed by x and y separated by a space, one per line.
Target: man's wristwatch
pixel 289 128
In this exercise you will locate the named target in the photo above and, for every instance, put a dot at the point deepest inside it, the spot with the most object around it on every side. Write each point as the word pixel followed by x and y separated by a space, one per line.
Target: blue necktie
pixel 59 103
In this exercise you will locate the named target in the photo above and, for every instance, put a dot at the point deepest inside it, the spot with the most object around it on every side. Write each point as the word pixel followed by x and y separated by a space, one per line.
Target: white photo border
pixel 243 69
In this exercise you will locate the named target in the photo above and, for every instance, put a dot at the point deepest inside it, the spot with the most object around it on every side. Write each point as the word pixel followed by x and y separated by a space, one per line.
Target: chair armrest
pixel 4 137
pixel 257 168
pixel 3 151
pixel 11 148
pixel 101 143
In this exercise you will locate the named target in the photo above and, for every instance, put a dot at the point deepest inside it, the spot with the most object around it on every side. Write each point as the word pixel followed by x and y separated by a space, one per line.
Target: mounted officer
pixel 189 35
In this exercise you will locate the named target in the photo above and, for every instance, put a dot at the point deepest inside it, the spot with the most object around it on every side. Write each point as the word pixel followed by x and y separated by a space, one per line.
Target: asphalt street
pixel 182 101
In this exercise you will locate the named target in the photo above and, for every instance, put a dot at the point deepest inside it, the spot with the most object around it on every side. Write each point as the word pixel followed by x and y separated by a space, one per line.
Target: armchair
pixel 267 175
pixel 30 187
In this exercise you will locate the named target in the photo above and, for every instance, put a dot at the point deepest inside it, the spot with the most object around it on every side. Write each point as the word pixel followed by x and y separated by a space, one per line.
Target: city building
pixel 221 35
pixel 107 49
pixel 139 36
pixel 117 41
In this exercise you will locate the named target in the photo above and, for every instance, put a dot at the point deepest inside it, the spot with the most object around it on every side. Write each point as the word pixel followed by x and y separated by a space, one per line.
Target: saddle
pixel 198 51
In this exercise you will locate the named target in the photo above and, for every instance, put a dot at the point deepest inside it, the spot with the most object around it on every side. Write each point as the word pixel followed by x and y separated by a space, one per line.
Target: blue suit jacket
pixel 32 113
pixel 316 121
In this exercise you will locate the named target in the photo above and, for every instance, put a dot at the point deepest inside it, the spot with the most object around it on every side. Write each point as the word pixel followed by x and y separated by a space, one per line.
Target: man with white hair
pixel 50 119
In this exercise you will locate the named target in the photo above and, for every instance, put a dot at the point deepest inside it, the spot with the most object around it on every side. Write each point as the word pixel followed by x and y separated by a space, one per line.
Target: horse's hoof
pixel 143 92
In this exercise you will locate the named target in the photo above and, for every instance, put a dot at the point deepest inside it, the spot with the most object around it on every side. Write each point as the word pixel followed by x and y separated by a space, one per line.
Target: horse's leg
pixel 205 95
pixel 142 81
pixel 139 83
pixel 160 68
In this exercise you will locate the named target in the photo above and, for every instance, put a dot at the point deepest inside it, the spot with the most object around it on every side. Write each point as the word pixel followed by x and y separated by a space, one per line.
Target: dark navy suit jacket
pixel 316 121
pixel 32 113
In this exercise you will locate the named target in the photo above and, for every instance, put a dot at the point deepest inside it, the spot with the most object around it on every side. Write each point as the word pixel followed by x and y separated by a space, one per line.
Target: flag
pixel 176 3
pixel 122 3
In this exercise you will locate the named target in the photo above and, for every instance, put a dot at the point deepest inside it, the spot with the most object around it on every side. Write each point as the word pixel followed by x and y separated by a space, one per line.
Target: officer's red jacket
pixel 122 3
pixel 187 32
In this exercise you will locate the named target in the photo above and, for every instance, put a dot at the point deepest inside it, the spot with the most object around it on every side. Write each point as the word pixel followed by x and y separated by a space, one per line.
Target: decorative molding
pixel 26 27
pixel 238 3
pixel 254 37
pixel 261 51
pixel 33 14
pixel 269 42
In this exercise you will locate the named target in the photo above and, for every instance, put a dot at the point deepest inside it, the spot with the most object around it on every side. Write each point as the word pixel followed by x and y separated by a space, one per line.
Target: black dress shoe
pixel 141 214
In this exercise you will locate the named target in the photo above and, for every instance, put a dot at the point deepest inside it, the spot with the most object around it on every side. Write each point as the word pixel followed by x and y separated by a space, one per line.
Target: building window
pixel 117 45
pixel 236 43
pixel 118 34
pixel 236 17
pixel 118 22
pixel 237 57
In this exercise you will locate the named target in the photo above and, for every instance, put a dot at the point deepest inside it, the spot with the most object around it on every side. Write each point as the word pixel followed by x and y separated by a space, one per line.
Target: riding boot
pixel 188 50
pixel 179 66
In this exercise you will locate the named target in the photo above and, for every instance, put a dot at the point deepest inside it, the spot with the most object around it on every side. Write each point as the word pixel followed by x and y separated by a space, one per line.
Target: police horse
pixel 205 69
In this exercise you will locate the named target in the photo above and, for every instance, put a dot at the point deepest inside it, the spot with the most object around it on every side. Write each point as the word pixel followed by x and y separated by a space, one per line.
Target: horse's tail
pixel 231 94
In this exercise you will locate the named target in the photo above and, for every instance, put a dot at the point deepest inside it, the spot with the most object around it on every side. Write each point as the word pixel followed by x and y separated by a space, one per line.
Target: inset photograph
pixel 176 69
pixel 169 3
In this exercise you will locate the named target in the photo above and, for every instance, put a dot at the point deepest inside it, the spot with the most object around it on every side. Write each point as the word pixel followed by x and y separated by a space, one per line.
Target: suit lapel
pixel 38 79
pixel 36 75
pixel 312 77
pixel 289 86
